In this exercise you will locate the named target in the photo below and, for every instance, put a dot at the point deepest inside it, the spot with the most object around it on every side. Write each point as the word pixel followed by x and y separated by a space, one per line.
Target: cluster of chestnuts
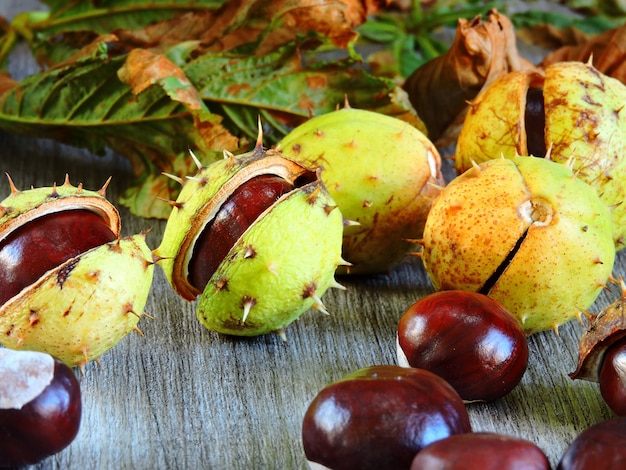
pixel 454 348
pixel 255 239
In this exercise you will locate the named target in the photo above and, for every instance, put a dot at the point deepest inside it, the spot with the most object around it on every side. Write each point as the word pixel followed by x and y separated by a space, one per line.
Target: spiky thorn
pixel 158 258
pixel 178 179
pixel 137 330
pixel 350 223
pixel 247 303
pixel 258 146
pixel 548 155
pixel 335 285
pixel 590 60
pixel 555 328
pixel 476 166
pixel 281 334
pixel 103 190
pixel 54 193
pixel 416 241
pixel 435 185
pixel 228 155
pixel 312 197
pixel 14 189
pixel 328 208
pixel 343 262
pixel 196 160
pixel 346 103
pixel 319 305
pixel 176 204
pixel 584 313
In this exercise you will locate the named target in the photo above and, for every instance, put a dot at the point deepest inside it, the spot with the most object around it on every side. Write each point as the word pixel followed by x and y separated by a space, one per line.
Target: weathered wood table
pixel 184 397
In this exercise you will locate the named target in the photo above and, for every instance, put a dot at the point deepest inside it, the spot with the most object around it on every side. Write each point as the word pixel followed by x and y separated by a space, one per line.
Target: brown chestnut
pixel 602 445
pixel 45 243
pixel 612 377
pixel 602 353
pixel 467 338
pixel 481 451
pixel 380 417
pixel 239 211
pixel 40 407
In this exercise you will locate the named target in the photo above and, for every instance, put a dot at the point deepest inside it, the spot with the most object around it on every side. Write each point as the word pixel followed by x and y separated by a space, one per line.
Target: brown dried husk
pixel 481 52
pixel 607 52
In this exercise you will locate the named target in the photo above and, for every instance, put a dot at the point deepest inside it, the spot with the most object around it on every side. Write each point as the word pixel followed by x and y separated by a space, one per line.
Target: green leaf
pixel 281 84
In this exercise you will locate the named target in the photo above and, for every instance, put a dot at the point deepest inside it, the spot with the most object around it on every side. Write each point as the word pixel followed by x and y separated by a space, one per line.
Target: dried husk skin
pixel 281 265
pixel 603 330
pixel 82 308
pixel 383 174
pixel 585 127
pixel 566 253
pixel 297 245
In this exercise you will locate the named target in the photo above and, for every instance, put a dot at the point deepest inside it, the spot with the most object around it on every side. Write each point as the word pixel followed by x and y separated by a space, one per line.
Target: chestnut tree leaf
pixel 85 104
pixel 71 24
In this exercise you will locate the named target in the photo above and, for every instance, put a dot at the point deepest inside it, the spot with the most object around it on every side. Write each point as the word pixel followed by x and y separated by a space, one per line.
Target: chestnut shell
pixel 602 445
pixel 481 451
pixel 45 425
pixel 380 417
pixel 467 338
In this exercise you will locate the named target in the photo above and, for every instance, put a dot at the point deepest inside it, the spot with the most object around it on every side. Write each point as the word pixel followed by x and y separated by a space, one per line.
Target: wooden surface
pixel 184 397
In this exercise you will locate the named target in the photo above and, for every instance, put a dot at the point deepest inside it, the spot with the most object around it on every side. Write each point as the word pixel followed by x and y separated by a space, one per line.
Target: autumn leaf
pixel 68 26
pixel 607 52
pixel 440 89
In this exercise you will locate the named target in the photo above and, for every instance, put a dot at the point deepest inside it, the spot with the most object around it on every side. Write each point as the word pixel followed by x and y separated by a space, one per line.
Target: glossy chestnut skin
pixel 234 217
pixel 380 417
pixel 467 338
pixel 601 446
pixel 46 424
pixel 612 377
pixel 45 243
pixel 481 451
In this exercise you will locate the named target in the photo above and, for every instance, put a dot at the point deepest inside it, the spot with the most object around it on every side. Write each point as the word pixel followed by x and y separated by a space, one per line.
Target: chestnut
pixel 40 407
pixel 602 445
pixel 467 338
pixel 612 377
pixel 602 353
pixel 481 451
pixel 380 417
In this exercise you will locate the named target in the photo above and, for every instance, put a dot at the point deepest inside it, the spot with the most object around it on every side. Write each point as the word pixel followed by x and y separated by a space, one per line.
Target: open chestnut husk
pixel 40 407
pixel 69 284
pixel 573 112
pixel 467 338
pixel 380 417
pixel 602 445
pixel 481 451
pixel 256 239
pixel 602 353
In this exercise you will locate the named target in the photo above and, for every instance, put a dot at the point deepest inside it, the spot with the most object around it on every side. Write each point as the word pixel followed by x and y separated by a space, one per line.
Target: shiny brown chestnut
pixel 467 338
pixel 40 407
pixel 602 353
pixel 481 451
pixel 380 417
pixel 600 446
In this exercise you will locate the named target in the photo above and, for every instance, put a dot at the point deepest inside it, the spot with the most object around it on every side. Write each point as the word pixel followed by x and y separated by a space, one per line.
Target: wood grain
pixel 183 397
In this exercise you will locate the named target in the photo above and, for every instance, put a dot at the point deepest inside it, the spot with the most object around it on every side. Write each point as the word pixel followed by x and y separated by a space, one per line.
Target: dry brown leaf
pixel 440 89
pixel 144 68
pixel 241 22
pixel 607 52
